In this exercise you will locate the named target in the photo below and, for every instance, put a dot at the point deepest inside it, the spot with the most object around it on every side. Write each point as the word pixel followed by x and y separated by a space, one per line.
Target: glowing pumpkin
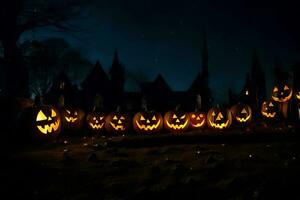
pixel 176 121
pixel 298 95
pixel 96 121
pixel 197 120
pixel 42 122
pixel 269 109
pixel 147 122
pixel 218 118
pixel 117 122
pixel 282 93
pixel 242 113
pixel 72 118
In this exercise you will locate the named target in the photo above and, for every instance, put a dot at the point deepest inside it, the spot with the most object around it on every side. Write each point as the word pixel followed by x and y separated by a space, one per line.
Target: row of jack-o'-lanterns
pixel 47 121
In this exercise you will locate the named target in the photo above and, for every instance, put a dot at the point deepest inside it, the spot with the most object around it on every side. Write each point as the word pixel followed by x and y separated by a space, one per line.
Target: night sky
pixel 155 36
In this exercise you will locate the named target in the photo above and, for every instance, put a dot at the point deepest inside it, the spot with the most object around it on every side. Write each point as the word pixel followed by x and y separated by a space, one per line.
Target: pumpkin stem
pixel 177 107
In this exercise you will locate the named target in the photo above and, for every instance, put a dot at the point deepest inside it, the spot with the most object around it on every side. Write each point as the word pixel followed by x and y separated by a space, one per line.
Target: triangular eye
pixel 101 118
pixel 275 89
pixel 193 115
pixel 122 118
pixel 201 115
pixel 69 112
pixel 182 117
pixel 220 116
pixel 174 116
pixel 115 118
pixel 244 111
pixel 75 113
pixel 271 104
pixel 94 118
pixel 213 114
pixel 142 118
pixel 53 113
pixel 286 87
pixel 41 116
pixel 154 118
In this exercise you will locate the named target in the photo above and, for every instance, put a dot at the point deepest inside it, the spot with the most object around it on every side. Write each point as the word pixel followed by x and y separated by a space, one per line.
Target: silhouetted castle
pixel 157 93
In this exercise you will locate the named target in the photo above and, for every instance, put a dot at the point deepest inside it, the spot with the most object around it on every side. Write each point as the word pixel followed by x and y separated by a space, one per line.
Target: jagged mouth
pixel 117 127
pixel 198 125
pixel 148 127
pixel 49 128
pixel 96 126
pixel 242 119
pixel 219 126
pixel 281 99
pixel 177 126
pixel 71 119
pixel 269 115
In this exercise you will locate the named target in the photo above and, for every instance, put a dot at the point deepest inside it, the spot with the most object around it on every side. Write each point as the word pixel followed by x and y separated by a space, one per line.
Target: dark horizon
pixel 164 37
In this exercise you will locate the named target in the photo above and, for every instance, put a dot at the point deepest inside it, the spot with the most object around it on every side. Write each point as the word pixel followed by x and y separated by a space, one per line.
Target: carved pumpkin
pixel 117 122
pixel 197 120
pixel 42 122
pixel 282 93
pixel 269 109
pixel 298 95
pixel 96 121
pixel 219 118
pixel 72 118
pixel 242 113
pixel 147 122
pixel 176 121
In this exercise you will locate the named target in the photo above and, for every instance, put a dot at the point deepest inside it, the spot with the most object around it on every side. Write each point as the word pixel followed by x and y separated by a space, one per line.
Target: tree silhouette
pixel 47 59
pixel 19 16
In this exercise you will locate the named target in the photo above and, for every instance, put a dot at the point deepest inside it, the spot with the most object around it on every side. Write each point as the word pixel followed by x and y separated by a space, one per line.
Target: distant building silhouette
pixel 96 82
pixel 158 93
pixel 62 86
pixel 254 90
pixel 117 77
pixel 200 85
pixel 258 80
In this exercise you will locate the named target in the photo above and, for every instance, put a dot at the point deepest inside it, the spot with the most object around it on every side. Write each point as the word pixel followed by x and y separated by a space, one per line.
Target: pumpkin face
pixel 147 122
pixel 282 93
pixel 117 122
pixel 176 121
pixel 218 118
pixel 269 109
pixel 72 118
pixel 197 120
pixel 96 121
pixel 242 113
pixel 298 95
pixel 46 121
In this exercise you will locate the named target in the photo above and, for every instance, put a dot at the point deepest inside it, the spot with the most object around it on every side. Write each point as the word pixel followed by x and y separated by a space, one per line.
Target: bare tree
pixel 19 16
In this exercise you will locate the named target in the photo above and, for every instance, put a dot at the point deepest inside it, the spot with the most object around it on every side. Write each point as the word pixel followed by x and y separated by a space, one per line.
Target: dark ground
pixel 228 165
